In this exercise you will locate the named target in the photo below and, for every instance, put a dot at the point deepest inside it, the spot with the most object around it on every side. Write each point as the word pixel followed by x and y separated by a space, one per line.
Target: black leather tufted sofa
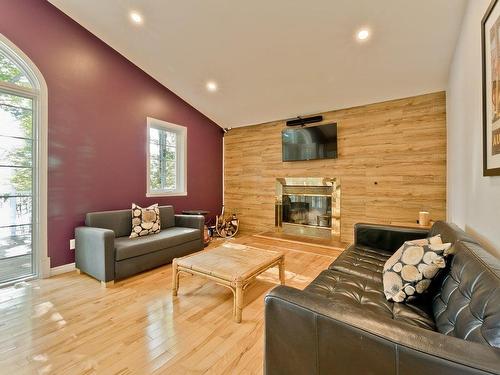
pixel 341 323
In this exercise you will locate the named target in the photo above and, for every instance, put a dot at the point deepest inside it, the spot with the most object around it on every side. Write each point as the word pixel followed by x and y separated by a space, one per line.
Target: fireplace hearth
pixel 308 206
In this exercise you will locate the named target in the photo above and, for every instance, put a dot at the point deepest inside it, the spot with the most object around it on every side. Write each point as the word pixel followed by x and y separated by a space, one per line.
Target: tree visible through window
pixel 166 164
pixel 16 170
pixel 11 73
pixel 163 149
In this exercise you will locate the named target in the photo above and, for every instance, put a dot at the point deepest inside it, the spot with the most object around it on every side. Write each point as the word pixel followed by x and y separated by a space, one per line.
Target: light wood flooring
pixel 69 324
pixel 334 243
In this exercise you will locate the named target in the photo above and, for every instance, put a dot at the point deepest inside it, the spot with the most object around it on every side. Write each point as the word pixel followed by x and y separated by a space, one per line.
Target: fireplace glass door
pixel 307 210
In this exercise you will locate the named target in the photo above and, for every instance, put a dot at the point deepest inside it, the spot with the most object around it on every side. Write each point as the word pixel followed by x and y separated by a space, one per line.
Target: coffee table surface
pixel 234 266
pixel 231 262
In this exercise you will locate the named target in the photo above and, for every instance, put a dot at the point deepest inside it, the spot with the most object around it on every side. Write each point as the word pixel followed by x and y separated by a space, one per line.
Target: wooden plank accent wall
pixel 391 165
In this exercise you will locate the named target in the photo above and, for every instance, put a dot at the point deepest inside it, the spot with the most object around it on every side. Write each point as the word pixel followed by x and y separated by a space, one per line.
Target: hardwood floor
pixel 68 324
pixel 321 243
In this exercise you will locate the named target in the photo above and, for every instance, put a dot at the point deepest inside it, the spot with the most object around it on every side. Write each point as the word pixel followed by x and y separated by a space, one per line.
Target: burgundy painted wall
pixel 98 104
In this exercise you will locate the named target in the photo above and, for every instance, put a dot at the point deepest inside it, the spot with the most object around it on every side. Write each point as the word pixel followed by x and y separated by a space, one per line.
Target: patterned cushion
pixel 145 220
pixel 411 269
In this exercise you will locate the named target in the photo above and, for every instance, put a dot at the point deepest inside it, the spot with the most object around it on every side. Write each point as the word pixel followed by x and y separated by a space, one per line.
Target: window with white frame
pixel 22 166
pixel 166 159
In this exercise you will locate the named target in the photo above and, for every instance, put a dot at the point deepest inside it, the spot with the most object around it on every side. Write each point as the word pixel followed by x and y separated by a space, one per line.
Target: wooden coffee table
pixel 231 265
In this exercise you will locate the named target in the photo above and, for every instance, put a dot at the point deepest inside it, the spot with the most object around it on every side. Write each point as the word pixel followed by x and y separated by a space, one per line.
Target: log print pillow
pixel 410 270
pixel 145 220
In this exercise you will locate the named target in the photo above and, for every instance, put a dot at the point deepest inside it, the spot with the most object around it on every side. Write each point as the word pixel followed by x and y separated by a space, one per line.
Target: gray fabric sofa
pixel 105 251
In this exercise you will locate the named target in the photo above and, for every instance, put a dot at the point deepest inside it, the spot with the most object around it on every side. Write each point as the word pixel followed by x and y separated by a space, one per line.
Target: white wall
pixel 473 200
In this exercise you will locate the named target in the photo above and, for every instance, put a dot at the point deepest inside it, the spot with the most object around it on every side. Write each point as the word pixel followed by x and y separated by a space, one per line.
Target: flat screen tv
pixel 309 143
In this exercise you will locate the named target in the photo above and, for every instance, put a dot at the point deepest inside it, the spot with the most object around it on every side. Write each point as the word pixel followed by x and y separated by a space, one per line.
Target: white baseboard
pixel 62 269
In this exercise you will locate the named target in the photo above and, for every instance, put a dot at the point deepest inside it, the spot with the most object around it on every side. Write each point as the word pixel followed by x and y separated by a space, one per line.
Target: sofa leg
pixel 107 284
pixel 78 271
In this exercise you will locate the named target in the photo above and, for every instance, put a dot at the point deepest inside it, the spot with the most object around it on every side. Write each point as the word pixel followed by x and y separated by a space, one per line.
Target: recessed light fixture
pixel 136 17
pixel 211 86
pixel 363 34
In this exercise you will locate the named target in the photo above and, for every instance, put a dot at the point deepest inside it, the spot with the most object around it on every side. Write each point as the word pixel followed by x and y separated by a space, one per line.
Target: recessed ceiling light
pixel 136 17
pixel 211 86
pixel 363 34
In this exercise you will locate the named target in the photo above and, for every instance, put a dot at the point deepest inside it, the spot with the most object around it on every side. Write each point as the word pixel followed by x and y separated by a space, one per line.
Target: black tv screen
pixel 313 142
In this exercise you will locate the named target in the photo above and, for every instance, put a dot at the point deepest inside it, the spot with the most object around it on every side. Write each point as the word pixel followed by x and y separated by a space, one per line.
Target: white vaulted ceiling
pixel 275 59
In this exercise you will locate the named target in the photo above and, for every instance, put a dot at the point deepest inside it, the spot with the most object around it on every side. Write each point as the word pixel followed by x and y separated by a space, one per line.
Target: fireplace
pixel 307 210
pixel 308 206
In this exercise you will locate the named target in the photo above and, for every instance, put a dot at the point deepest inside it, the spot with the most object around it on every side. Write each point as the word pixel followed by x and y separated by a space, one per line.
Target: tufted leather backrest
pixel 467 305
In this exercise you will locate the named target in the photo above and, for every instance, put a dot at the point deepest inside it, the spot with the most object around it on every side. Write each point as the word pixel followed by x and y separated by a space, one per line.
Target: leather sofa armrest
pixel 386 237
pixel 190 221
pixel 95 252
pixel 309 334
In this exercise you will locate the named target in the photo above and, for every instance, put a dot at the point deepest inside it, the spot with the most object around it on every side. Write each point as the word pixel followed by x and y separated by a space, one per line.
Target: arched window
pixel 22 167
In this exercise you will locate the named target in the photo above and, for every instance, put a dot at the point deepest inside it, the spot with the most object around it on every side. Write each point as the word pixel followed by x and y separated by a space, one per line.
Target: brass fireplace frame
pixel 308 186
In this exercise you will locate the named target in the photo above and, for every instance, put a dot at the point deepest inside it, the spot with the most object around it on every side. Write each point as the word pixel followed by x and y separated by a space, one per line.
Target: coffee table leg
pixel 281 267
pixel 175 278
pixel 238 303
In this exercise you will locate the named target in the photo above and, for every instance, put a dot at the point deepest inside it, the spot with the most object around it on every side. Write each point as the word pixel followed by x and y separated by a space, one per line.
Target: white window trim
pixel 40 126
pixel 181 158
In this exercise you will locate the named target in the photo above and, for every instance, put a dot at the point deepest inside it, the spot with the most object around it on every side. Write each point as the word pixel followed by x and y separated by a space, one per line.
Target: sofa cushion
pixel 467 304
pixel 145 221
pixel 131 247
pixel 167 216
pixel 119 220
pixel 368 262
pixel 362 261
pixel 344 289
pixel 410 270
pixel 386 237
